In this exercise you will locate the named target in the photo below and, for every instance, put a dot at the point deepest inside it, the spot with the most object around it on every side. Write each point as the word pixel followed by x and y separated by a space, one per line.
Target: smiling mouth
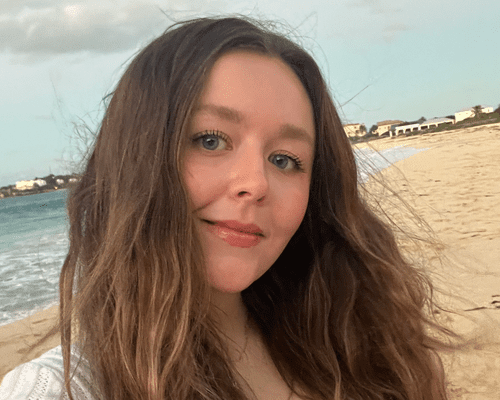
pixel 213 223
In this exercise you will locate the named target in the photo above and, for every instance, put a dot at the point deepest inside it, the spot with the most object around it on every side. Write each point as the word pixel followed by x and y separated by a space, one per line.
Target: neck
pixel 231 315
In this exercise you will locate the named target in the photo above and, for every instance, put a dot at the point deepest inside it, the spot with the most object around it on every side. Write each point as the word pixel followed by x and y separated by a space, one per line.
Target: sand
pixel 16 338
pixel 453 186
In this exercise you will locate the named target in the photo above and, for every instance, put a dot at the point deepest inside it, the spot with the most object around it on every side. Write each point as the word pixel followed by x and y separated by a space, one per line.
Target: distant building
pixel 60 181
pixel 406 128
pixel 469 113
pixel 464 114
pixel 354 130
pixel 435 122
pixel 24 185
pixel 386 126
pixel 431 123
pixel 27 185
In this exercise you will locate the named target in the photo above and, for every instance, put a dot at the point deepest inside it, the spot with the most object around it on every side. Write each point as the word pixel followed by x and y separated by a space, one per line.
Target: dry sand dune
pixel 454 187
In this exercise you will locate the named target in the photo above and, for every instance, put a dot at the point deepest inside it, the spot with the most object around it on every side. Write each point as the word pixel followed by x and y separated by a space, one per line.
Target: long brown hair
pixel 341 312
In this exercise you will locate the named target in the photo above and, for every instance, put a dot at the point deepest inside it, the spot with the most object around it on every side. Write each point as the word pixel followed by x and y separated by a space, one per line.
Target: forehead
pixel 257 86
pixel 238 67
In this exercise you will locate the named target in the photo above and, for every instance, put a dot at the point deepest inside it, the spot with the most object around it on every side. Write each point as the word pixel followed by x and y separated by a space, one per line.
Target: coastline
pixel 31 193
pixel 453 187
pixel 49 183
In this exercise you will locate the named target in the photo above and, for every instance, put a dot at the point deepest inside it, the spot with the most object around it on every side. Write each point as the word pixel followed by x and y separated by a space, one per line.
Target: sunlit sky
pixel 383 59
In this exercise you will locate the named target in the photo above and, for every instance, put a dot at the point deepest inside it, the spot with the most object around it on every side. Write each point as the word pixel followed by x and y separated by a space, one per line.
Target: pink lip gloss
pixel 235 238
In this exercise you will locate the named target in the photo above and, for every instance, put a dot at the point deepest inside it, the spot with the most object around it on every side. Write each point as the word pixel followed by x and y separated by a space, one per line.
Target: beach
pixel 17 338
pixel 453 186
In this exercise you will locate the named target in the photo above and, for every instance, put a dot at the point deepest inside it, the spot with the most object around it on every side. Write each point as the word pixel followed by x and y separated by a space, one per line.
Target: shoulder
pixel 43 378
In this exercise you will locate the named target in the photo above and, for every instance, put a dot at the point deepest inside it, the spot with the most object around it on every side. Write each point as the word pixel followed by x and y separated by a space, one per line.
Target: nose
pixel 248 177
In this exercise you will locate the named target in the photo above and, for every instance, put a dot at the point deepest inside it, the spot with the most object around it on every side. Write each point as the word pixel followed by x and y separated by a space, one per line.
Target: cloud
pixel 40 29
pixel 16 6
pixel 30 27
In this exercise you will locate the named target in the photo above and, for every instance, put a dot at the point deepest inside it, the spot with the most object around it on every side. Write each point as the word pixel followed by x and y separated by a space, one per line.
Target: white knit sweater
pixel 43 379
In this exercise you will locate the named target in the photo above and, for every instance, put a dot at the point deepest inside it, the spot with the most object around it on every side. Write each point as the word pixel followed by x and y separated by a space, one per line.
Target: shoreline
pixel 46 184
pixel 31 193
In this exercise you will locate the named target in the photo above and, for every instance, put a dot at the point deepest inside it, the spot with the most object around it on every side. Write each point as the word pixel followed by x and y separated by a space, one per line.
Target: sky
pixel 382 59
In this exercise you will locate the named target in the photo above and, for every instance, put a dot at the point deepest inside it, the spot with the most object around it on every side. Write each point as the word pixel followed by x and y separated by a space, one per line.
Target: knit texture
pixel 43 379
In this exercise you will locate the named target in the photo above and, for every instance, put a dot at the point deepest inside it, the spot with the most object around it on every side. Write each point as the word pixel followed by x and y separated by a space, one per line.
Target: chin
pixel 229 287
pixel 230 283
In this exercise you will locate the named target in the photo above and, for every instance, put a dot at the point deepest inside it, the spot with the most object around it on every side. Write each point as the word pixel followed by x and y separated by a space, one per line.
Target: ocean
pixel 33 244
pixel 34 241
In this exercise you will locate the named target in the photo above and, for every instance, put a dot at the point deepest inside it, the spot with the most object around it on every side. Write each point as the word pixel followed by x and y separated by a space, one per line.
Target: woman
pixel 219 247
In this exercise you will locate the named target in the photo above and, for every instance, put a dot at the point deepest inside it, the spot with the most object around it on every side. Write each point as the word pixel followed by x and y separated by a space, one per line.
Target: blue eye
pixel 210 140
pixel 283 161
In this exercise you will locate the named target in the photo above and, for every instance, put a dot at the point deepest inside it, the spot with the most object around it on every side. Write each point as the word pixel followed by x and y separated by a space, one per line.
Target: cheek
pixel 289 211
pixel 200 182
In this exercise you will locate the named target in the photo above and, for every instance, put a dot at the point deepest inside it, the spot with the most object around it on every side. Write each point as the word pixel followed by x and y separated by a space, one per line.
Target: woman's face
pixel 248 165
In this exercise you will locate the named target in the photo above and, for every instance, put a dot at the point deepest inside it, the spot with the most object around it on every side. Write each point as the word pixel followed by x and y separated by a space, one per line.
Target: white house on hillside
pixel 386 126
pixel 407 128
pixel 469 113
pixel 435 122
pixel 25 185
pixel 431 123
pixel 353 130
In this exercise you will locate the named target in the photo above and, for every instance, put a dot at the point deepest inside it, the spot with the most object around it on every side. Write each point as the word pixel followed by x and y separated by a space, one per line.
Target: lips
pixel 238 227
pixel 235 233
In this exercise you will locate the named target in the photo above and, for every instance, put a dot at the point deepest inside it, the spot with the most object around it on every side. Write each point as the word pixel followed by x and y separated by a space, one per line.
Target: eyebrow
pixel 286 131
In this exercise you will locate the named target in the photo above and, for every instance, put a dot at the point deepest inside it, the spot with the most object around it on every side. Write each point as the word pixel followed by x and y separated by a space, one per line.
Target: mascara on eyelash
pixel 212 132
pixel 216 133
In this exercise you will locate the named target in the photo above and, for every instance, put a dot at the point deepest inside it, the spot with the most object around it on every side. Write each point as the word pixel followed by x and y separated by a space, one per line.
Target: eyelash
pixel 296 160
pixel 215 133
